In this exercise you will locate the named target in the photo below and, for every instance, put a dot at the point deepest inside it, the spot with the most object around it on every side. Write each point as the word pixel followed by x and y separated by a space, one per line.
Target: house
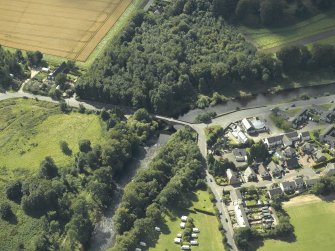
pixel 311 182
pixel 239 134
pixel 289 152
pixel 265 175
pixel 328 136
pixel 304 136
pixel 300 118
pixel 293 136
pixel 274 141
pixel 299 183
pixel 259 125
pixel 241 216
pixel 248 127
pixel 232 177
pixel 274 192
pixel 240 155
pixel 287 141
pixel 328 116
pixel 329 170
pixel 287 186
pixel 319 157
pixel 250 174
pixel 292 163
pixel 58 70
pixel 307 148
pixel 236 197
pixel 275 170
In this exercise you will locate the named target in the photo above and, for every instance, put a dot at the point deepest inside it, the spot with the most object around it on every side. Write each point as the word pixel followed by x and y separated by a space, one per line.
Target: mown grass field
pixel 209 237
pixel 31 130
pixel 314 228
pixel 267 39
pixel 69 29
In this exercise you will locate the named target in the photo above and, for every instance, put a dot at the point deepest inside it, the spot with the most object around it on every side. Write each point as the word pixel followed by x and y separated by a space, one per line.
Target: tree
pixel 5 211
pixel 14 191
pixel 63 106
pixel 64 146
pixel 259 151
pixel 291 57
pixel 85 145
pixel 271 11
pixel 34 58
pixel 61 79
pixel 48 168
pixel 142 115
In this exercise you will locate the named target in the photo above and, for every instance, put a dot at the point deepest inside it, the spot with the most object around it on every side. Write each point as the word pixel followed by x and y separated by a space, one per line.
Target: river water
pixel 104 234
pixel 262 100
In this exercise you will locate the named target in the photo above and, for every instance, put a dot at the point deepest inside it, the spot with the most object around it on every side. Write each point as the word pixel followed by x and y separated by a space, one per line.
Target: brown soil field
pixel 66 28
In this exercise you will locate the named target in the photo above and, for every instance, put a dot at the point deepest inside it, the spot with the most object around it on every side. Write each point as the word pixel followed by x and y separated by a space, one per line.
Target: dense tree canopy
pixel 161 61
pixel 9 64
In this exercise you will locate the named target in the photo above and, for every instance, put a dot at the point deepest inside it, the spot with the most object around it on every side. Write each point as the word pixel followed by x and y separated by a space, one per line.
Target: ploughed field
pixel 66 28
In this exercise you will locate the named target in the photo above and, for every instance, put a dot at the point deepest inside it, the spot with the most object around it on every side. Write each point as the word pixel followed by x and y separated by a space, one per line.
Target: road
pixel 227 225
pixel 224 120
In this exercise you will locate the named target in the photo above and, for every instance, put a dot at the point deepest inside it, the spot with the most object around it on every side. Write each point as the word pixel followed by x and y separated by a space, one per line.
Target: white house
pixel 232 177
pixel 287 186
pixel 274 141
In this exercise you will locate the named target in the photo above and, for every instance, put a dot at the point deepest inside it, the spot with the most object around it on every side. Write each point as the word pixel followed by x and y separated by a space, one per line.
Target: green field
pixel 270 38
pixel 31 130
pixel 314 228
pixel 210 238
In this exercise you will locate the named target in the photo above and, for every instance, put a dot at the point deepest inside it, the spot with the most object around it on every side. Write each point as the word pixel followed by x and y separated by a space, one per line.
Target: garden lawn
pixel 314 228
pixel 31 130
pixel 275 37
pixel 210 238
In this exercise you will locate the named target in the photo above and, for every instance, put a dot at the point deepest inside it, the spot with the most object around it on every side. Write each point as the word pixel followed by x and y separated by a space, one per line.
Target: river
pixel 262 100
pixel 104 234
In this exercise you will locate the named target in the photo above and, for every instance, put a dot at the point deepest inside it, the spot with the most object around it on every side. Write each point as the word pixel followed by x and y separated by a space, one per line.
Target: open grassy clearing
pixel 314 227
pixel 31 130
pixel 70 29
pixel 269 38
pixel 209 237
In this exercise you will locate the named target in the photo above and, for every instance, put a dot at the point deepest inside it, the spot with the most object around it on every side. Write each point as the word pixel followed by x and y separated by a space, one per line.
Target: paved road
pixel 227 225
pixel 223 120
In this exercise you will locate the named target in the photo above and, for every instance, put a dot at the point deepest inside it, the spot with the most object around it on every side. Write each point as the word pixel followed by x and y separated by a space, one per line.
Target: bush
pixel 14 191
pixel 5 211
pixel 64 146
pixel 85 145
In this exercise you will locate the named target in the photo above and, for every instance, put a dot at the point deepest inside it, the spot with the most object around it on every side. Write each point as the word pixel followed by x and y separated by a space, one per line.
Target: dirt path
pixel 305 40
pixel 307 199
